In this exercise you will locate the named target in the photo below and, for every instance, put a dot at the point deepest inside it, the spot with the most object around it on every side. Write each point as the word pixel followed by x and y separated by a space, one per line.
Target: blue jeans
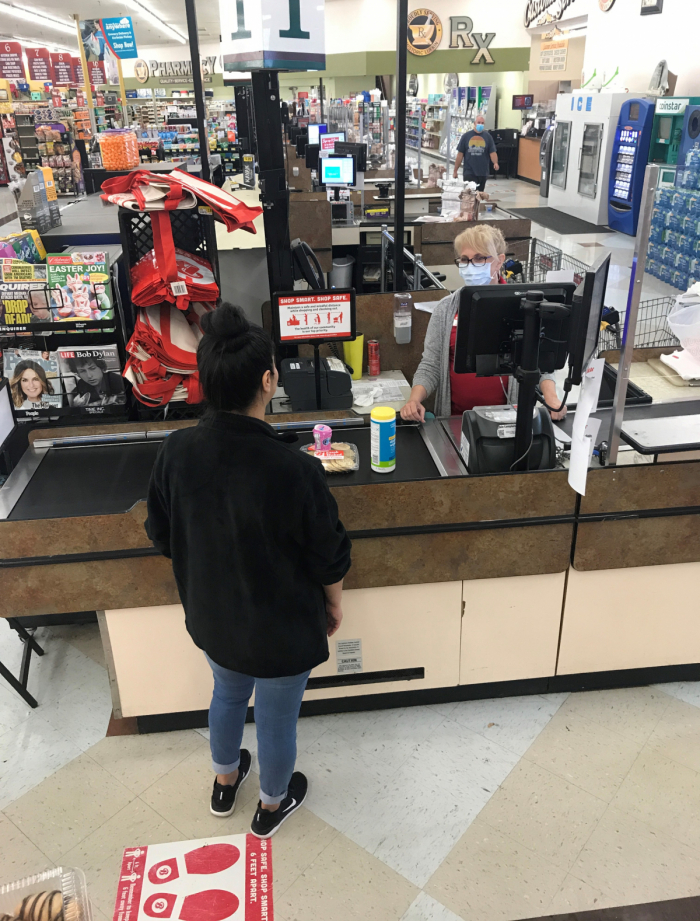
pixel 277 704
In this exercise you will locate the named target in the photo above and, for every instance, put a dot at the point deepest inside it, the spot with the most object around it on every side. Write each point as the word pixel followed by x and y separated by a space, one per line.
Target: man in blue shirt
pixel 474 148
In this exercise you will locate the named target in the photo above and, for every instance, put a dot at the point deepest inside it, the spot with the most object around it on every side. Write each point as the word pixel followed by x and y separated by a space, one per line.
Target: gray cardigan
pixel 433 372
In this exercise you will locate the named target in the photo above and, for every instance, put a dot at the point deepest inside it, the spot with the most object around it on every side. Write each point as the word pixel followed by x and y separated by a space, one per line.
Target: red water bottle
pixel 373 356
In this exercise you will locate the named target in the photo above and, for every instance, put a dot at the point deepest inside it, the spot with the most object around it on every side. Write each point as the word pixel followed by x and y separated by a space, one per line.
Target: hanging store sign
pixel 62 68
pixel 78 76
pixel 39 61
pixel 11 63
pixel 96 72
pixel 424 32
pixel 272 35
pixel 118 32
pixel 540 12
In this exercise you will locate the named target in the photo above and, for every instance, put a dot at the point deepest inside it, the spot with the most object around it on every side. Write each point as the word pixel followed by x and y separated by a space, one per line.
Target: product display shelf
pixel 674 243
pixel 48 336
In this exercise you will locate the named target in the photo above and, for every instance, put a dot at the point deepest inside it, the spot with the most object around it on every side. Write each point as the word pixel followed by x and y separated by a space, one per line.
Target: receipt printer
pixel 299 383
pixel 488 440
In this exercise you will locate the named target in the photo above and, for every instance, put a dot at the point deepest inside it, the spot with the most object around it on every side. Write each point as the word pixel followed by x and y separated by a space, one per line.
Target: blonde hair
pixel 487 240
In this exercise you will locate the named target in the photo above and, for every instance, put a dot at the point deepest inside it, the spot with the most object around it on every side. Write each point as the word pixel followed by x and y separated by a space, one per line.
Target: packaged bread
pixel 339 457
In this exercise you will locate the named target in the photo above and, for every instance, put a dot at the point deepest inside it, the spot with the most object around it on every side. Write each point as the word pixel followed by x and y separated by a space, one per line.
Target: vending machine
pixel 628 163
pixel 583 141
pixel 668 134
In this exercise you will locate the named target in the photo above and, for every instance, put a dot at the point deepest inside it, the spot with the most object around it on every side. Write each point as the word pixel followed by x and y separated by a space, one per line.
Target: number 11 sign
pixel 272 35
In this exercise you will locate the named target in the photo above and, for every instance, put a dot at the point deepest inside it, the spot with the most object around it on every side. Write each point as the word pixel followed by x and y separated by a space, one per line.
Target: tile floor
pixel 489 810
pixel 481 811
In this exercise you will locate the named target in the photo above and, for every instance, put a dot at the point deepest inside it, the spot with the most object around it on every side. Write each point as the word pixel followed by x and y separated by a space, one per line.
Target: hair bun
pixel 226 322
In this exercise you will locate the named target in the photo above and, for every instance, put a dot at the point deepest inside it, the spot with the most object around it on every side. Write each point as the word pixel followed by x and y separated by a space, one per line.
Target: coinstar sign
pixel 272 35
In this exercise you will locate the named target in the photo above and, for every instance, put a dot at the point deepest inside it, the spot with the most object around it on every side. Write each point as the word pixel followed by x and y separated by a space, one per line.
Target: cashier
pixel 481 252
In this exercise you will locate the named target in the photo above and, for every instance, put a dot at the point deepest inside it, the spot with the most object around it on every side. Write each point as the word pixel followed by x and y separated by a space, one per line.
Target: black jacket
pixel 253 533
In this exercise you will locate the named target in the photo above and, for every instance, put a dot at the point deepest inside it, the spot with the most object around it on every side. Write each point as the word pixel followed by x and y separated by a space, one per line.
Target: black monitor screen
pixel 585 319
pixel 490 322
pixel 358 151
pixel 312 156
pixel 634 111
pixel 523 102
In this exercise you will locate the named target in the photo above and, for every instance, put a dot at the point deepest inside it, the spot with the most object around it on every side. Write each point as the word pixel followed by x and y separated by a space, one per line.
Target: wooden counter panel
pixel 462 555
pixel 511 228
pixel 637 542
pixel 86 534
pixel 64 587
pixel 453 501
pixel 311 221
pixel 144 581
pixel 529 159
pixel 642 486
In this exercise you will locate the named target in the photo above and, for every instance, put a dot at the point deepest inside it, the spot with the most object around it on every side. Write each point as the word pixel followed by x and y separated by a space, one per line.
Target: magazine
pixel 23 300
pixel 80 288
pixel 35 381
pixel 92 376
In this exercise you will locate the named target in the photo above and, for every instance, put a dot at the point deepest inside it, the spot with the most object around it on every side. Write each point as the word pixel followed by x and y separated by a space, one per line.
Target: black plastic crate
pixel 193 231
pixel 175 410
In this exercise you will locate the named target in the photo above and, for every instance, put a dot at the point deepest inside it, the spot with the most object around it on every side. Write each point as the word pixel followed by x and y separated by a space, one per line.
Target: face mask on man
pixel 479 128
pixel 476 274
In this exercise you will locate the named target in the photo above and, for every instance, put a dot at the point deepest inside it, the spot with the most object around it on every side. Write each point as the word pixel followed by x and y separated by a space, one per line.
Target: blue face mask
pixel 476 274
pixel 479 128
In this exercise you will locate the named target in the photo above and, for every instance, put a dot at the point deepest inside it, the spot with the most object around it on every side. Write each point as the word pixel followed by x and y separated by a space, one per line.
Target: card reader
pixel 300 384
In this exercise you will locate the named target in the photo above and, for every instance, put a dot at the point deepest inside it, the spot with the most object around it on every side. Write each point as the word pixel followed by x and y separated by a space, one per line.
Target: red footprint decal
pixel 161 905
pixel 211 905
pixel 164 872
pixel 212 858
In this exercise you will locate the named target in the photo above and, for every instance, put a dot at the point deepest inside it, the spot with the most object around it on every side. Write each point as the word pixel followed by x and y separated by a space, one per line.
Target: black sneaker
pixel 223 797
pixel 266 823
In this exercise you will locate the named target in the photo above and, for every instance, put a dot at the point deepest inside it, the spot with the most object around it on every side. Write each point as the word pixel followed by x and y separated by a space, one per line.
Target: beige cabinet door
pixel 510 628
pixel 631 618
pixel 401 627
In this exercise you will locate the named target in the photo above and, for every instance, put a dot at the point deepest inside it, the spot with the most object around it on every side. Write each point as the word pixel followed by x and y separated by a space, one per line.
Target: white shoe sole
pixel 280 824
pixel 225 815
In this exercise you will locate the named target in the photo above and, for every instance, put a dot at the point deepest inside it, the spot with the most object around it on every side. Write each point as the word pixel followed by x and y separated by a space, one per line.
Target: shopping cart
pixel 530 260
pixel 652 329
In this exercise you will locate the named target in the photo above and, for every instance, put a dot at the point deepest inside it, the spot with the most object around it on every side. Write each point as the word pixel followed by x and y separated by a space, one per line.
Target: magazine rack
pixel 50 335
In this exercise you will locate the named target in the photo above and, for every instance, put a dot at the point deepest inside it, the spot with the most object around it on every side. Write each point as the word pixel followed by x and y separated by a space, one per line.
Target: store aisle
pixel 483 811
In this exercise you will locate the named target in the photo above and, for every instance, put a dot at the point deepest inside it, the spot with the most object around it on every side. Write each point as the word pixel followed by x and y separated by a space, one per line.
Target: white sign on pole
pixel 272 35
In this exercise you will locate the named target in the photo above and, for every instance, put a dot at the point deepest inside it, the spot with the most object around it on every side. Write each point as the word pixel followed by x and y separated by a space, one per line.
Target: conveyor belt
pixel 413 460
pixel 99 480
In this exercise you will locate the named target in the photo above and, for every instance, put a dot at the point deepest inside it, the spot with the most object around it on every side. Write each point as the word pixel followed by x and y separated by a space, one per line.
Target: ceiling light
pixel 33 42
pixel 139 7
pixel 34 16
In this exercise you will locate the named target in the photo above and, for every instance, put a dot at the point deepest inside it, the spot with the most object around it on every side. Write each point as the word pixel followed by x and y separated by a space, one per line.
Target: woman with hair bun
pixel 259 558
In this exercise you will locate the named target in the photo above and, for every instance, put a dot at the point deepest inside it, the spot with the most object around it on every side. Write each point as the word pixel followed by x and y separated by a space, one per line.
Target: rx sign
pixel 462 36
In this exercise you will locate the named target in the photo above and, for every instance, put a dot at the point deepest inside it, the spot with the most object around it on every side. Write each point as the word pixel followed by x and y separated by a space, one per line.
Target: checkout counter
pixel 461 586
